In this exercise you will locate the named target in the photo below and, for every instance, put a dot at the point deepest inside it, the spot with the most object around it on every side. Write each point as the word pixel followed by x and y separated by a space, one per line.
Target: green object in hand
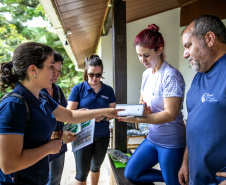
pixel 75 128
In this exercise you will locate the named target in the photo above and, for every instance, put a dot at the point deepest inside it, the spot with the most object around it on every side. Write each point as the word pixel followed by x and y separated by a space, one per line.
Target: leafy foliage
pixel 13 31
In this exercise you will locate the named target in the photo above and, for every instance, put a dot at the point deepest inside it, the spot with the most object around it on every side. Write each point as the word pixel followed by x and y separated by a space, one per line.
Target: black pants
pixel 90 158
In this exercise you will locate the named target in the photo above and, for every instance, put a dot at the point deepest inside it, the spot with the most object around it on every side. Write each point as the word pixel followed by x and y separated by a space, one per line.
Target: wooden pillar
pixel 120 69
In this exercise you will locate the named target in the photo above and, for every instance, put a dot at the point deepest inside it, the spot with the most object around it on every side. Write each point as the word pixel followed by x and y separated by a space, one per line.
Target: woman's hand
pixel 55 146
pixel 147 109
pixel 130 119
pixel 223 183
pixel 99 118
pixel 222 174
pixel 111 112
pixel 68 136
pixel 15 158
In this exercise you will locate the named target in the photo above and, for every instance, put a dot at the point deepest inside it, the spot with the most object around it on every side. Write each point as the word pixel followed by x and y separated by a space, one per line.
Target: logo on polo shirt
pixel 206 97
pixel 104 97
pixel 52 115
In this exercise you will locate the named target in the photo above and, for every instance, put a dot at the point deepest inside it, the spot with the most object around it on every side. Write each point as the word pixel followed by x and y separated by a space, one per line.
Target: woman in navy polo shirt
pixel 92 94
pixel 57 160
pixel 24 149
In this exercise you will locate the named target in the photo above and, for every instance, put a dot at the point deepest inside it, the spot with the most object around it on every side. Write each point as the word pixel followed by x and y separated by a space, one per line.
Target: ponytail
pixel 8 78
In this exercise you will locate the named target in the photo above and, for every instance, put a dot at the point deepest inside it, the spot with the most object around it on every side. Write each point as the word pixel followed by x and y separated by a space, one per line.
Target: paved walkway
pixel 68 175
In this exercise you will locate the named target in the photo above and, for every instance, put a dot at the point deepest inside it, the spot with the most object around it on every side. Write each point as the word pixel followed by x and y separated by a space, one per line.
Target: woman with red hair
pixel 162 89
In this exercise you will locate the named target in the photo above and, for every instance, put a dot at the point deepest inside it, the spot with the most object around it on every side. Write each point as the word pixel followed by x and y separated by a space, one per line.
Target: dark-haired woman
pixel 56 165
pixel 92 94
pixel 24 149
pixel 162 89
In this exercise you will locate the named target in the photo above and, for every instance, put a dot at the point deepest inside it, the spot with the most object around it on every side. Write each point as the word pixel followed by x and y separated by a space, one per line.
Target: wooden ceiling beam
pixel 107 23
pixel 62 2
pixel 84 10
pixel 185 2
pixel 84 16
pixel 80 4
pixel 90 19
pixel 74 22
pixel 151 4
pixel 202 7
pixel 102 25
pixel 90 24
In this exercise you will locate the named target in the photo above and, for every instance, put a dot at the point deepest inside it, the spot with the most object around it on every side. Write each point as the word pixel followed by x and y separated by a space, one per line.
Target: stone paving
pixel 69 171
pixel 68 175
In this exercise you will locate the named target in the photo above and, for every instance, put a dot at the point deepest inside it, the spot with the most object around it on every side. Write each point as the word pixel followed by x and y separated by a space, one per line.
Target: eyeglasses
pixel 98 75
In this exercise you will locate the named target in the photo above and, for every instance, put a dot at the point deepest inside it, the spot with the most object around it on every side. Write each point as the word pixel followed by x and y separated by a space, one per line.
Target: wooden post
pixel 120 70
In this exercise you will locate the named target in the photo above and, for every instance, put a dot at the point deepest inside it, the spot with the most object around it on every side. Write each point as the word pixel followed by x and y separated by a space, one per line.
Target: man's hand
pixel 183 174
pixel 222 174
pixel 68 136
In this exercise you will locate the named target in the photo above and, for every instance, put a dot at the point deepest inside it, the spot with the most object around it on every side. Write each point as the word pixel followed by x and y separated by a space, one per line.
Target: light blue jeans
pixel 56 167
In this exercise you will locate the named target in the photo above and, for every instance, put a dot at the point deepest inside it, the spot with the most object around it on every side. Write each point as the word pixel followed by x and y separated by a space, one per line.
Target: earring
pixel 34 75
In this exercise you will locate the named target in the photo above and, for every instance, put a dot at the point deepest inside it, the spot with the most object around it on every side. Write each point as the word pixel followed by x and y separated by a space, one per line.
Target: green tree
pixel 69 76
pixel 9 39
pixel 14 31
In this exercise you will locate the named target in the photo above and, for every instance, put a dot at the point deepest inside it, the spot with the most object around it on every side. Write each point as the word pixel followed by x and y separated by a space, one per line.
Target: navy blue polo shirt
pixel 38 131
pixel 206 125
pixel 87 98
pixel 59 97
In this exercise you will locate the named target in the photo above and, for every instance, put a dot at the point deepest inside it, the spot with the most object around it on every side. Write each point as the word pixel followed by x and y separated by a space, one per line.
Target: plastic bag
pixel 117 155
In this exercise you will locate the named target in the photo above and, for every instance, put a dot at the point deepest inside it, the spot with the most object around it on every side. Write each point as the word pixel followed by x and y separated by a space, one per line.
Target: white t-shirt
pixel 166 82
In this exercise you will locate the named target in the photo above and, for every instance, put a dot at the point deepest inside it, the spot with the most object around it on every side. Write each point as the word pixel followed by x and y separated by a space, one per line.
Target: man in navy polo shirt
pixel 204 42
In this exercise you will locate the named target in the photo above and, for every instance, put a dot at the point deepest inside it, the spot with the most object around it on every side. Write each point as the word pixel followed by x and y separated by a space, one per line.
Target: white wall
pixel 187 72
pixel 99 50
pixel 168 23
pixel 106 56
